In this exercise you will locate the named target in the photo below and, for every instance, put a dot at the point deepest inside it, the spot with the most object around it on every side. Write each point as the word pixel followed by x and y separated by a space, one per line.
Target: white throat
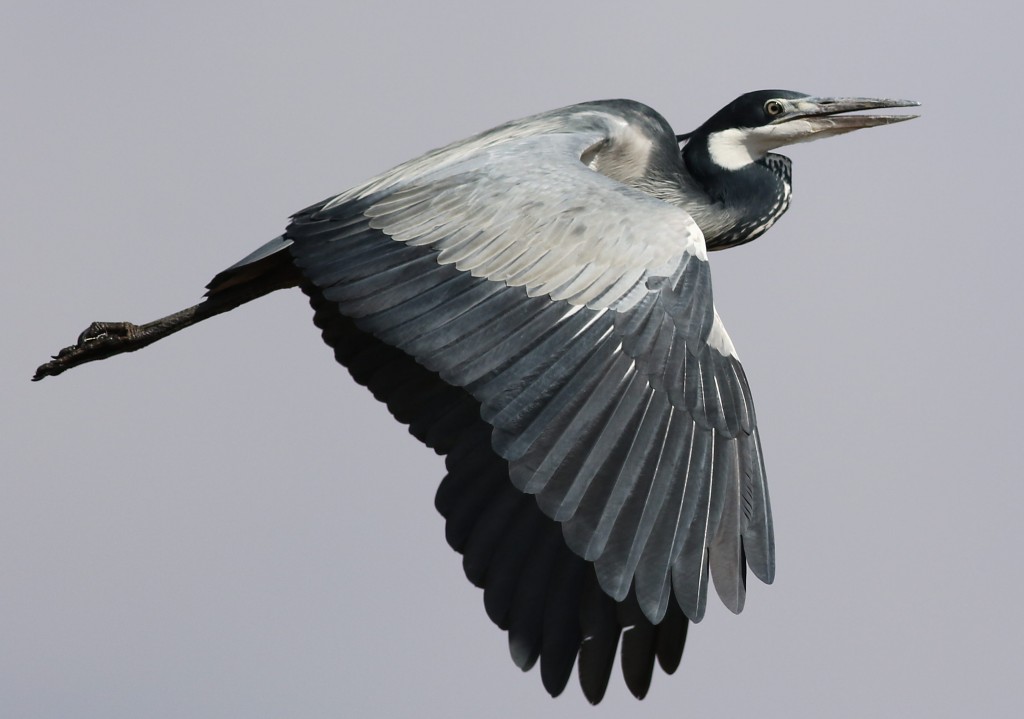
pixel 737 147
pixel 733 149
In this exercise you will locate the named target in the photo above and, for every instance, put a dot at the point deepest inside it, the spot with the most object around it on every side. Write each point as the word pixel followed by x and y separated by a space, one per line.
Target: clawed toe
pixel 101 330
pixel 106 339
pixel 98 341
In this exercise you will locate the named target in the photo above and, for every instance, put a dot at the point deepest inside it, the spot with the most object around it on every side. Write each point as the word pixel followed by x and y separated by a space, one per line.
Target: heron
pixel 535 304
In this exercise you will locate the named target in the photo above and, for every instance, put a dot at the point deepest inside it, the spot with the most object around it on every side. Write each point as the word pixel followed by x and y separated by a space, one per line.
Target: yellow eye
pixel 773 108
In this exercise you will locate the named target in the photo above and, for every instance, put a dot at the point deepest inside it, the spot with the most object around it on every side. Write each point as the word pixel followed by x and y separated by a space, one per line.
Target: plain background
pixel 225 525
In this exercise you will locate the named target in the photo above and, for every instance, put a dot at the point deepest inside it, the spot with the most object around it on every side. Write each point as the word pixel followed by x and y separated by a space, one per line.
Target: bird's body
pixel 535 303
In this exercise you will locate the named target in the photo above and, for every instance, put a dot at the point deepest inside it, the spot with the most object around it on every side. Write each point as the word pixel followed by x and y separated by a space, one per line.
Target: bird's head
pixel 758 122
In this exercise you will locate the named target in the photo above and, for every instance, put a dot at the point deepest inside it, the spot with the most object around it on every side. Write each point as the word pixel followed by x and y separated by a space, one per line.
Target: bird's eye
pixel 773 108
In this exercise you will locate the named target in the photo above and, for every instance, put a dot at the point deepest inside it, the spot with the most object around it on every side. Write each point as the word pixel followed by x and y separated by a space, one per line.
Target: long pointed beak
pixel 823 114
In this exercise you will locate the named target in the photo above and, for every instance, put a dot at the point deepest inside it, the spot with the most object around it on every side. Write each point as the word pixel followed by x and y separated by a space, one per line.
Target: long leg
pixel 101 340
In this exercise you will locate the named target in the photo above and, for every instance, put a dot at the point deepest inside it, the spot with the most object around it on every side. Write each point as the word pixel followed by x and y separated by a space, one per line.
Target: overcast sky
pixel 225 525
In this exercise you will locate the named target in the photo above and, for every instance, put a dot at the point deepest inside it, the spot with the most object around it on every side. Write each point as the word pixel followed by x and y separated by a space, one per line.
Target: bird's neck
pixel 737 205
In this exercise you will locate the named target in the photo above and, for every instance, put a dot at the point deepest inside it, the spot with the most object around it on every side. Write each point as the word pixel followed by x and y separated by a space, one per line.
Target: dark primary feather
pixel 555 609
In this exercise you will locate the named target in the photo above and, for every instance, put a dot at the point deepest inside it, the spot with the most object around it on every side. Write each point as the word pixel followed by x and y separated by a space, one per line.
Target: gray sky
pixel 225 525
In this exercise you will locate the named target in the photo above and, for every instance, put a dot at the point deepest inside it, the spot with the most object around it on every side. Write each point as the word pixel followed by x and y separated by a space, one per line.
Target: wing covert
pixel 507 216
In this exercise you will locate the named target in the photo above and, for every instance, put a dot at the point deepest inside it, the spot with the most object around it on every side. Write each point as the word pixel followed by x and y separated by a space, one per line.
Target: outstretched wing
pixel 535 268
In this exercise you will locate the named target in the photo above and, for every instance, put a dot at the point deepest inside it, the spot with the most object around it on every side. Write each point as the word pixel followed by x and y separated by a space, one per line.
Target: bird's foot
pixel 108 332
pixel 99 341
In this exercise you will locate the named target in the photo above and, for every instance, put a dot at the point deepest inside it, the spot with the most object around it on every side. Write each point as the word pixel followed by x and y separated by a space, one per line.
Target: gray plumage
pixel 535 303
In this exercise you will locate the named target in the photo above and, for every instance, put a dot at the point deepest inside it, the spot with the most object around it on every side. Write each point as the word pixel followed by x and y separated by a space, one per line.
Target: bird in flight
pixel 535 304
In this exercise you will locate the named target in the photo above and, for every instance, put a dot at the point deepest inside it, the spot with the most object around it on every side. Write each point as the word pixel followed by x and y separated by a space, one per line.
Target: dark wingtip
pixel 596 659
pixel 672 637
